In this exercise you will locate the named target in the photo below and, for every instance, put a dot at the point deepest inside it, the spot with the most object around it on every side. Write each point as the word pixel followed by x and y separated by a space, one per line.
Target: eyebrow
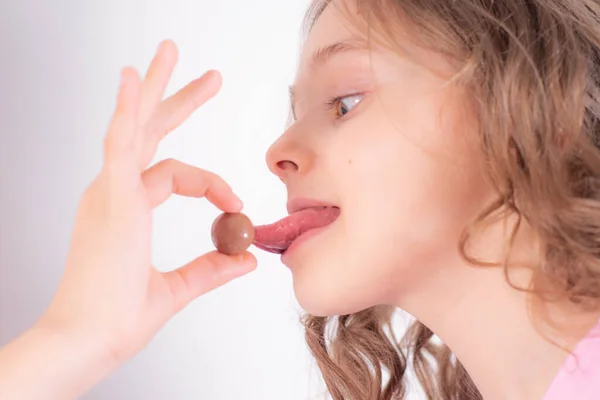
pixel 321 56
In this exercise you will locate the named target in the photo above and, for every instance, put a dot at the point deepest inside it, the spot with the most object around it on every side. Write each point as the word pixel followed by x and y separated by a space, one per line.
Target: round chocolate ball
pixel 232 233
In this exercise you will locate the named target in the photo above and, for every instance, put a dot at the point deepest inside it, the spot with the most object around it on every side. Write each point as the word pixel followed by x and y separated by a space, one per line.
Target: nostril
pixel 287 165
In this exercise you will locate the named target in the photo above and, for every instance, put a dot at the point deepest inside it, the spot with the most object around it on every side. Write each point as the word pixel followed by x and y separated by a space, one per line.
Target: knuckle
pixel 111 146
pixel 211 176
pixel 154 129
pixel 217 180
pixel 195 102
pixel 213 274
pixel 170 163
pixel 180 289
pixel 114 146
pixel 214 181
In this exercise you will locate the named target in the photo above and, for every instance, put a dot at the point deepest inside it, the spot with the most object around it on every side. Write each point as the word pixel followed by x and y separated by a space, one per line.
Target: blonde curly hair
pixel 532 71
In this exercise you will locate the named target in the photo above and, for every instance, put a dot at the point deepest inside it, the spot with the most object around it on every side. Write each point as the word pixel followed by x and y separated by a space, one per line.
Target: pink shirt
pixel 579 377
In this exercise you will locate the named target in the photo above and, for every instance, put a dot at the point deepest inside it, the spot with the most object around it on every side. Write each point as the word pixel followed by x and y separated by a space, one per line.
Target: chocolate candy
pixel 232 233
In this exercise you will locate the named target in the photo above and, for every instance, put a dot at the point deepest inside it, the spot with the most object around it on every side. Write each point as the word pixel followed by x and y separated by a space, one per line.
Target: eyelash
pixel 332 104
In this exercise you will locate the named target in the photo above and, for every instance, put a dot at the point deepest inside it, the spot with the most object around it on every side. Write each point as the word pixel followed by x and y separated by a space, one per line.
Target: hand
pixel 110 292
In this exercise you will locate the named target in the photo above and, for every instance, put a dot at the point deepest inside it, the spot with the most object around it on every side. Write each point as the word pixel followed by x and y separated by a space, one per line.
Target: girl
pixel 455 143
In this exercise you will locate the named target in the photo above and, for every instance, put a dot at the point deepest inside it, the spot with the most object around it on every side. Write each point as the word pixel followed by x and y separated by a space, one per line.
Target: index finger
pixel 174 177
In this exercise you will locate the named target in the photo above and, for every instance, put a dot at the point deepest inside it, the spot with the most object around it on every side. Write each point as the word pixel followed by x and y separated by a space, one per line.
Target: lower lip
pixel 301 239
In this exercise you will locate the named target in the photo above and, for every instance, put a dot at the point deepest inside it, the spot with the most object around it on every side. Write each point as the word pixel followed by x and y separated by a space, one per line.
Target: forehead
pixel 333 27
pixel 341 27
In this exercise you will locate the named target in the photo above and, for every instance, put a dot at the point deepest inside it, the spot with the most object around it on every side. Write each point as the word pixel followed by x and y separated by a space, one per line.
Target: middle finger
pixel 174 110
pixel 157 78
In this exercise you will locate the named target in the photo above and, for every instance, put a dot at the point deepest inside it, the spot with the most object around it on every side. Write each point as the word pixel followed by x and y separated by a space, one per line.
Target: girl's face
pixel 393 145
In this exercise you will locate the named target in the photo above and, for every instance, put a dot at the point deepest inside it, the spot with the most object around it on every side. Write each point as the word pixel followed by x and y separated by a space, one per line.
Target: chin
pixel 328 280
pixel 323 290
pixel 315 268
pixel 327 301
pixel 316 302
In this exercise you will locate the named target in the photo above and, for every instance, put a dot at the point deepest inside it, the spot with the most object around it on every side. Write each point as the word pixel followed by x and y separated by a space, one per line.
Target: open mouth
pixel 277 237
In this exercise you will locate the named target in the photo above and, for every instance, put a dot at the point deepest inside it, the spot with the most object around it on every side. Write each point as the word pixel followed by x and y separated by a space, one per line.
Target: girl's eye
pixel 342 105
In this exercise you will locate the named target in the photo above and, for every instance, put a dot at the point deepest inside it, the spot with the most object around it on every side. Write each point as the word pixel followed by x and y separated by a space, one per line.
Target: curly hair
pixel 531 69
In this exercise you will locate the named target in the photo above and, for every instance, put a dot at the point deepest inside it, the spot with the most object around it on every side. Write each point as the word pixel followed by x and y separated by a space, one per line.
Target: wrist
pixel 61 362
pixel 86 345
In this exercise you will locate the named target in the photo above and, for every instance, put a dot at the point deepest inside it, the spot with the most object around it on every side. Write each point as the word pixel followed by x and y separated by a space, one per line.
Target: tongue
pixel 277 237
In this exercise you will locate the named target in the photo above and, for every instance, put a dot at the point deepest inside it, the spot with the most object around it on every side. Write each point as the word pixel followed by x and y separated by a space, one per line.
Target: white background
pixel 59 71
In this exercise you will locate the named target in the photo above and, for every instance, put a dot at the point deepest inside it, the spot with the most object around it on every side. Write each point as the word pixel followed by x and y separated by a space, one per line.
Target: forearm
pixel 46 363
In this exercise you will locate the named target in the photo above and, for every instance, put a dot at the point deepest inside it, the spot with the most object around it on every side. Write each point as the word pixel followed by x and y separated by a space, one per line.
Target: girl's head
pixel 444 131
pixel 394 145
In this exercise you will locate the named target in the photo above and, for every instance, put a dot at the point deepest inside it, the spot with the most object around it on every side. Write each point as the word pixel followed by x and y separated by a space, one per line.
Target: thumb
pixel 206 273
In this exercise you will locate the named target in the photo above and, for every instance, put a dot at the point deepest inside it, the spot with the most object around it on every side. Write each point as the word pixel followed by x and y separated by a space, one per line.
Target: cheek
pixel 410 187
pixel 407 188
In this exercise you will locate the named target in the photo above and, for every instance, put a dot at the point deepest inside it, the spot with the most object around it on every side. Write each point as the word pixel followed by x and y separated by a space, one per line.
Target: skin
pixel 111 300
pixel 403 166
pixel 428 179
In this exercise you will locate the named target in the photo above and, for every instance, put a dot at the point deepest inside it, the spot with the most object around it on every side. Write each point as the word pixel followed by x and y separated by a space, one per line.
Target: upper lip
pixel 301 203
